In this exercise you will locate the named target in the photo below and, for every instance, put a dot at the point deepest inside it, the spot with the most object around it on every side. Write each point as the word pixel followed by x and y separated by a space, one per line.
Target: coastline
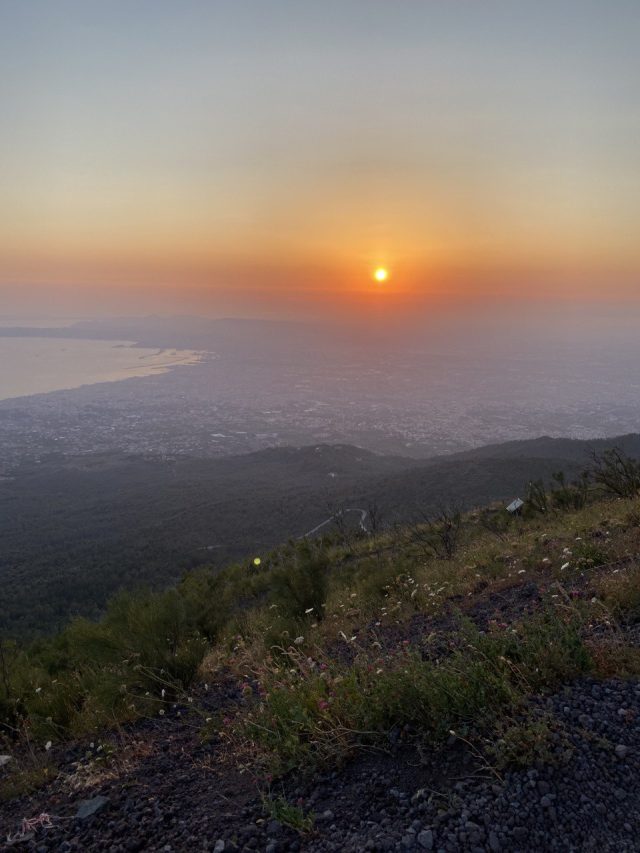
pixel 42 364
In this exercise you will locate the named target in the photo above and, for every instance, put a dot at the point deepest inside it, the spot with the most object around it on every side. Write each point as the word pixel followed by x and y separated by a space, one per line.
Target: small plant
pixel 633 517
pixel 537 498
pixel 280 809
pixel 527 741
pixel 447 532
pixel 34 770
pixel 620 593
pixel 547 649
pixel 613 657
pixel 588 555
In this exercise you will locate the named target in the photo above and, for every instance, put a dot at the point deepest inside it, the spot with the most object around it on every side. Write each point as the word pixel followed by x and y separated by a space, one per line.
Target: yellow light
pixel 257 561
pixel 381 274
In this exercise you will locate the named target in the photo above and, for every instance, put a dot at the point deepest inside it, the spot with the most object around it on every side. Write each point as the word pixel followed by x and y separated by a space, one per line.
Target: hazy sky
pixel 264 156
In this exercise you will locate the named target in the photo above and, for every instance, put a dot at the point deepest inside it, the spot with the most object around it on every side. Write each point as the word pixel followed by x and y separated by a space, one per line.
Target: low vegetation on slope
pixel 436 630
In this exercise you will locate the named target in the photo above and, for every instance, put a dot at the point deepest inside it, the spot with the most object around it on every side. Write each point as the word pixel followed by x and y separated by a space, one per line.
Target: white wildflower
pixel 298 641
pixel 48 745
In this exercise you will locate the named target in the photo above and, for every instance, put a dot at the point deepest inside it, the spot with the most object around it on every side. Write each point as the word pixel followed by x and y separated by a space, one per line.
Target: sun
pixel 381 275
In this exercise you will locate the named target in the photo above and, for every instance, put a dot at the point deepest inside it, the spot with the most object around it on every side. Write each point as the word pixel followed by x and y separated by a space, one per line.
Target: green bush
pixel 97 674
pixel 569 496
pixel 313 714
pixel 299 587
pixel 617 473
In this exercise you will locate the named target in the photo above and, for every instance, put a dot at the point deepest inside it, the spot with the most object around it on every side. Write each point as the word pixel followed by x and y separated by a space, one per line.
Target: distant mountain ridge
pixel 180 332
pixel 547 447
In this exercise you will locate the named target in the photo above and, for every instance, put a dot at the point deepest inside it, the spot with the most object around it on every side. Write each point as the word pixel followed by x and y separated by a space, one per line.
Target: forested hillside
pixel 74 530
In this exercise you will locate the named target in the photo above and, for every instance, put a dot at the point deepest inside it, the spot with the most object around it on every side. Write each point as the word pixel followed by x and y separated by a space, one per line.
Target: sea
pixel 34 365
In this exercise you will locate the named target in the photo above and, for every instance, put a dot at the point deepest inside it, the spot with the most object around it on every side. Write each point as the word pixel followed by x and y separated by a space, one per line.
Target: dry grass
pixel 106 763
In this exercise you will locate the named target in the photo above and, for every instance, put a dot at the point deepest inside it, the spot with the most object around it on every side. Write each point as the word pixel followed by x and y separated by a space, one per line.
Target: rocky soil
pixel 166 791
pixel 156 786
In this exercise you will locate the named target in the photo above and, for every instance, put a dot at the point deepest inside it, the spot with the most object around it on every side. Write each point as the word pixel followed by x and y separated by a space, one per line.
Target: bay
pixel 33 365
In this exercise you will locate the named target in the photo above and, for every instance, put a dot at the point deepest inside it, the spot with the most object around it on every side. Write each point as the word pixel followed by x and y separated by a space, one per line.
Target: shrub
pixel 570 496
pixel 616 473
pixel 94 675
pixel 497 521
pixel 436 536
pixel 537 499
pixel 301 585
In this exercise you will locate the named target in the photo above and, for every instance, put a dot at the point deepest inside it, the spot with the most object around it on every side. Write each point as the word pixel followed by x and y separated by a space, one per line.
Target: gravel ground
pixel 590 801
pixel 176 794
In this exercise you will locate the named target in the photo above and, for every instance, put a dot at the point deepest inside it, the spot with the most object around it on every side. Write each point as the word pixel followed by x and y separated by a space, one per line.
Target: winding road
pixel 363 518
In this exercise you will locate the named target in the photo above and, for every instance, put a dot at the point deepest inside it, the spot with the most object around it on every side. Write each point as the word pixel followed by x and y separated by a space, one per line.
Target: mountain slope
pixel 485 702
pixel 74 530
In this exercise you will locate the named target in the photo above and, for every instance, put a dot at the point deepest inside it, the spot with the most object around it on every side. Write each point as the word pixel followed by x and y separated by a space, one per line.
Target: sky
pixel 264 157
